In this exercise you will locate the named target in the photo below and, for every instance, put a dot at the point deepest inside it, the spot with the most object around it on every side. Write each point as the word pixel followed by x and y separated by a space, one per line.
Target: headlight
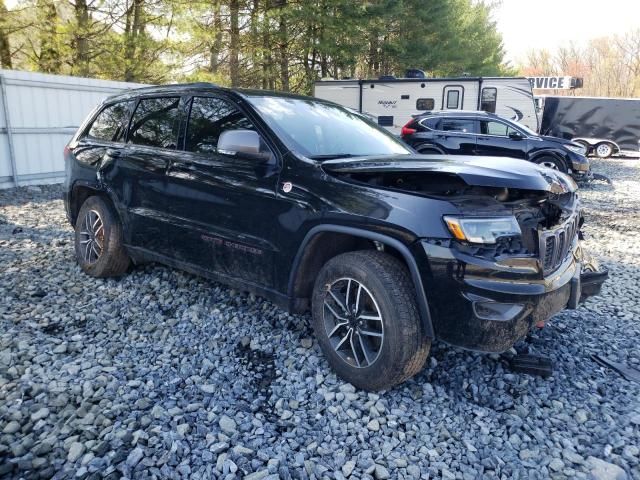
pixel 482 229
pixel 575 148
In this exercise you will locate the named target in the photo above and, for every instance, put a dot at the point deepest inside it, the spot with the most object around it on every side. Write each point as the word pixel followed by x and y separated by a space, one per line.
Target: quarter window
pixel 208 118
pixel 155 123
pixel 457 125
pixel 110 123
pixel 453 97
pixel 431 123
pixel 425 104
pixel 488 99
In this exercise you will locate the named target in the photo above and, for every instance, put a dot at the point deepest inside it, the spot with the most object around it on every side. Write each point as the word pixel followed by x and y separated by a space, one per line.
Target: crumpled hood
pixel 474 171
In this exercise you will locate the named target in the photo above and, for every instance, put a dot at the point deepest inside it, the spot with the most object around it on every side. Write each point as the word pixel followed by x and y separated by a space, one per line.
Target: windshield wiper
pixel 332 156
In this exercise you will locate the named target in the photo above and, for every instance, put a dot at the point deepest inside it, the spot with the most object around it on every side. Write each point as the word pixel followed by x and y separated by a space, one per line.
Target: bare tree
pixel 5 46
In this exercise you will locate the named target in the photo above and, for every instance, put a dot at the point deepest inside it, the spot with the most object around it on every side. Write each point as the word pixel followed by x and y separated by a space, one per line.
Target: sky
pixel 550 23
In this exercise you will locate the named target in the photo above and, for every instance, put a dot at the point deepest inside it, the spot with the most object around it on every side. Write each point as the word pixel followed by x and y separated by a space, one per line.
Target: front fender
pixel 388 240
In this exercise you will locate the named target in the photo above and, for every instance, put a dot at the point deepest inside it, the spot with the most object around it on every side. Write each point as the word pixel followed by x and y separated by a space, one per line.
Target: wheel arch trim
pixel 432 146
pixel 98 188
pixel 421 297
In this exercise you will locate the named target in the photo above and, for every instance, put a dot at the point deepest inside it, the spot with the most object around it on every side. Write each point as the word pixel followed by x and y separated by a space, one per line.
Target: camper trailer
pixel 392 101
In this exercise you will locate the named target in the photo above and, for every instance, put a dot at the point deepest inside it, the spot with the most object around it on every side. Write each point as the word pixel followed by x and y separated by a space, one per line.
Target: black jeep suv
pixel 315 207
pixel 480 133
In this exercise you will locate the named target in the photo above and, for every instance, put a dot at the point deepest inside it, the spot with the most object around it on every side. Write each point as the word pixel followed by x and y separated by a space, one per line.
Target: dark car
pixel 317 208
pixel 480 133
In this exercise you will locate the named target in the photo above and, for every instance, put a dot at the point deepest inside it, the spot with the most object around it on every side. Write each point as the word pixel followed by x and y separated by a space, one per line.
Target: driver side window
pixel 494 128
pixel 208 118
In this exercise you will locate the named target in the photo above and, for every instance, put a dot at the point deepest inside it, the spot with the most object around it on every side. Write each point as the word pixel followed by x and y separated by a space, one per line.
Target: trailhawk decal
pixel 221 242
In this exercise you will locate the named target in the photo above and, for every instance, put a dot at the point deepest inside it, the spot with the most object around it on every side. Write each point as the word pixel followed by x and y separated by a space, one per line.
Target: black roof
pixel 455 113
pixel 200 86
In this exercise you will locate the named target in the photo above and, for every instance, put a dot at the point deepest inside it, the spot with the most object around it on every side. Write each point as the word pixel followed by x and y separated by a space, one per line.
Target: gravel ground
pixel 161 374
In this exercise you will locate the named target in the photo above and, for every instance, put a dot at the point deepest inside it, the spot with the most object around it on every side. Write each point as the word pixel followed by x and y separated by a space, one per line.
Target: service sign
pixel 550 83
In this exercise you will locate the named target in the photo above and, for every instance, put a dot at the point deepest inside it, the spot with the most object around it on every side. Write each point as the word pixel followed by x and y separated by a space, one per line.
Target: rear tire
pixel 429 151
pixel 552 163
pixel 365 317
pixel 603 150
pixel 98 239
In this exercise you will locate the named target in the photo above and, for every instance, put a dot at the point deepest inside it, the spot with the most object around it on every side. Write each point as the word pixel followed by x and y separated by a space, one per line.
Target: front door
pixel 225 208
pixel 494 140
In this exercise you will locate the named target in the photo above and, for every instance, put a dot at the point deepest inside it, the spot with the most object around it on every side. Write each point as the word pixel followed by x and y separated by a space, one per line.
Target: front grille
pixel 555 244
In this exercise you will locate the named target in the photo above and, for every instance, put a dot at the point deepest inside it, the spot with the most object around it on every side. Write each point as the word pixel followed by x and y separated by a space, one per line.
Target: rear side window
pixel 110 124
pixel 155 123
pixel 208 118
pixel 457 125
pixel 425 104
pixel 453 97
pixel 431 123
pixel 488 99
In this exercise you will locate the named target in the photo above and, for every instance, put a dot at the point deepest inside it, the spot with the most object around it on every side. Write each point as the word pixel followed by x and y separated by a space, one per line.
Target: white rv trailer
pixel 392 101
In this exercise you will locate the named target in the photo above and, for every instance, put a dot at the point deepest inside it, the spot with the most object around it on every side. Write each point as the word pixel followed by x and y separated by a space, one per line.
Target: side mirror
pixel 515 135
pixel 242 143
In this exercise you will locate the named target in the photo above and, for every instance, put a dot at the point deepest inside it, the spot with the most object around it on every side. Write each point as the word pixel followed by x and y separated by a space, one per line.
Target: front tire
pixel 365 317
pixel 552 163
pixel 98 239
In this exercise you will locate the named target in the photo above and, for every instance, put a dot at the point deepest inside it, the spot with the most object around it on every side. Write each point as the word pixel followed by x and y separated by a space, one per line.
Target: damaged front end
pixel 513 259
pixel 519 278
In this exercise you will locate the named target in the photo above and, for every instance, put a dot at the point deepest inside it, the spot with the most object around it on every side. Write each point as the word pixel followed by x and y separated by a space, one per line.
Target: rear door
pixel 140 177
pixel 456 135
pixel 493 140
pixel 225 208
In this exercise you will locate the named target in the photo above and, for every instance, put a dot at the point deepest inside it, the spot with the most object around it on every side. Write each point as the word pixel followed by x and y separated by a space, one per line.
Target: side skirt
pixel 142 255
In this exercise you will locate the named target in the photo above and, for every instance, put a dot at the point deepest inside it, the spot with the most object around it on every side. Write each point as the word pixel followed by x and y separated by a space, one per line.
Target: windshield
pixel 321 130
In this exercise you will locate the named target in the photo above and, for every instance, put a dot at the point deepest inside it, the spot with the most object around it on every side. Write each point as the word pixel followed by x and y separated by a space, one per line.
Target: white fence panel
pixel 43 113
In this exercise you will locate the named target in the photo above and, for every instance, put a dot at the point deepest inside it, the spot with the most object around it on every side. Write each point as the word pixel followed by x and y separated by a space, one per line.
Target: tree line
pixel 610 66
pixel 274 44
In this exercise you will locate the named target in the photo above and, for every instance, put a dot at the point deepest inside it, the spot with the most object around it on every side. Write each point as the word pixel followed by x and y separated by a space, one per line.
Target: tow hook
pixel 576 290
pixel 592 276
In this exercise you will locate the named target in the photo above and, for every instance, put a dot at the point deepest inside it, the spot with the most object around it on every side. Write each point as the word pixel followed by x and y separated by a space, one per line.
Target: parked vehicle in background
pixel 317 208
pixel 478 133
pixel 604 126
pixel 392 100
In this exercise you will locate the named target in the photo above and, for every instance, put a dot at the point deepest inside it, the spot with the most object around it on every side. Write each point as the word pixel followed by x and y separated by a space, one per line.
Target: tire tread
pixel 412 350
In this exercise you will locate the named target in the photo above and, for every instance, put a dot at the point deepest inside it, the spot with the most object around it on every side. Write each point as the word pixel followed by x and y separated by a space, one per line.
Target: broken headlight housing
pixel 574 147
pixel 485 230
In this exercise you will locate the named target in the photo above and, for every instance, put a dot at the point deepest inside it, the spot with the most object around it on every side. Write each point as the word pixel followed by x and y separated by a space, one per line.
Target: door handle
pixel 113 153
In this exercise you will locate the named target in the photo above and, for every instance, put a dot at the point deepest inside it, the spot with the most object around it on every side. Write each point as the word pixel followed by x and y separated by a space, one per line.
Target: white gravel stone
pixel 601 470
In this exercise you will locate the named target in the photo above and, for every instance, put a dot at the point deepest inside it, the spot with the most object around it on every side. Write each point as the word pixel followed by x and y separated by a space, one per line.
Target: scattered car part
pixel 625 371
pixel 531 364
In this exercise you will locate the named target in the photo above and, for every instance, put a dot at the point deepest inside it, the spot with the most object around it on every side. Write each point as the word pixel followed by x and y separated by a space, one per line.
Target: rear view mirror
pixel 242 143
pixel 515 135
